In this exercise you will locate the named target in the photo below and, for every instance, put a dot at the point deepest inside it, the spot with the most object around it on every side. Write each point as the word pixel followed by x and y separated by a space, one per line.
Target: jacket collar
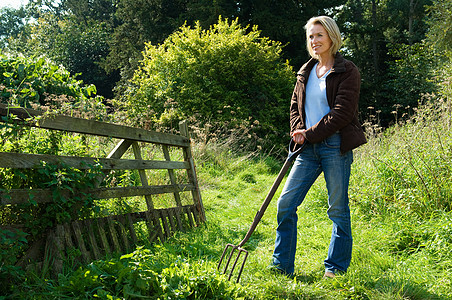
pixel 338 67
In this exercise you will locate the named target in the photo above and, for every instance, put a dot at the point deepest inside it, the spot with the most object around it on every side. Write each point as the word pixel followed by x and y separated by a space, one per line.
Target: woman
pixel 323 113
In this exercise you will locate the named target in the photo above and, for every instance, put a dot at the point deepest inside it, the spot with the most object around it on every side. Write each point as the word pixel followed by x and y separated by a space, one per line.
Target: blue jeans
pixel 315 158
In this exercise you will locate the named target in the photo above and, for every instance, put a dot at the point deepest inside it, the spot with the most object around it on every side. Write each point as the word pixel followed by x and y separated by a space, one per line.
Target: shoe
pixel 328 274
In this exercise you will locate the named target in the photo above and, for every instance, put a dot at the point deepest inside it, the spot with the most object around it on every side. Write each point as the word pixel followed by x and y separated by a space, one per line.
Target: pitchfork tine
pixel 223 255
pixel 235 263
pixel 228 261
pixel 241 267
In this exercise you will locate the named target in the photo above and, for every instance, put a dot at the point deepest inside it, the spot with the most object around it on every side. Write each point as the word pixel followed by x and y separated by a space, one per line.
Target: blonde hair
pixel 331 28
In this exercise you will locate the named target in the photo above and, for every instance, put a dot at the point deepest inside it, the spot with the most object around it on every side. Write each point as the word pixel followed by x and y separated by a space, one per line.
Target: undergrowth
pixel 401 202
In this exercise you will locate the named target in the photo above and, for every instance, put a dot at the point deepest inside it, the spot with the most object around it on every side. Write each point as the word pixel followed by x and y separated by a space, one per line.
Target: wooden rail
pixel 98 237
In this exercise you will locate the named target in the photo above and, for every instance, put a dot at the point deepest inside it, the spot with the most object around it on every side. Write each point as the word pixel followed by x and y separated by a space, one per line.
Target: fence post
pixel 183 127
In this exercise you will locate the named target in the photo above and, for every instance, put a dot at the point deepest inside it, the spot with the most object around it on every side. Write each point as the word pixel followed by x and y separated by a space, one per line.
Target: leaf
pixel 125 256
pixel 21 71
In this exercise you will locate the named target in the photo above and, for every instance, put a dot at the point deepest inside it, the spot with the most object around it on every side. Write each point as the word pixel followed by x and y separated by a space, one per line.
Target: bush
pixel 41 84
pixel 227 76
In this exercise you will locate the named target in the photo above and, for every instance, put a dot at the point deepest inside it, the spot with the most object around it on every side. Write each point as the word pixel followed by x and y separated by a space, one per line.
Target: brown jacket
pixel 342 91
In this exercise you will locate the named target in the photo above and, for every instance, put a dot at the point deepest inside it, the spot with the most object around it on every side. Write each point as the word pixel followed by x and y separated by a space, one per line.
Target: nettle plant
pixel 68 188
pixel 68 185
pixel 38 83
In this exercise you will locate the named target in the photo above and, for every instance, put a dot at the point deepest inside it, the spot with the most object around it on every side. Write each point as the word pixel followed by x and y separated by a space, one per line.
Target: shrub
pixel 228 76
pixel 41 84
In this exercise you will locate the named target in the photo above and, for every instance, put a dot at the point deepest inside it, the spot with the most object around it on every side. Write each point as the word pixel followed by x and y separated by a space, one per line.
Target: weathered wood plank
pixel 164 220
pixel 65 123
pixel 123 232
pixel 80 241
pixel 17 196
pixel 103 235
pixel 114 234
pixel 196 215
pixel 171 174
pixel 189 215
pixel 191 172
pixel 33 161
pixel 59 249
pixel 170 214
pixel 92 239
pixel 178 212
pixel 143 178
pixel 154 229
pixel 131 228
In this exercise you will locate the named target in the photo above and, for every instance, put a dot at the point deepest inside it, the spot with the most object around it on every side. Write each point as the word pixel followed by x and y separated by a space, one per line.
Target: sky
pixel 12 3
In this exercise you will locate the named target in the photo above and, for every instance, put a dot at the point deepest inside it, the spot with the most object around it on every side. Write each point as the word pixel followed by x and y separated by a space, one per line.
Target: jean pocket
pixel 333 141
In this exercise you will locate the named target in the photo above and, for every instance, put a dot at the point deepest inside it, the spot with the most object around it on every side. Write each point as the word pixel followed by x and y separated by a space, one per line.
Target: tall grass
pixel 401 216
pixel 407 170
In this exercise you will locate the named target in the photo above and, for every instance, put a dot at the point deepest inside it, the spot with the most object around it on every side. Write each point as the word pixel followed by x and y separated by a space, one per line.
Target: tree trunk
pixel 375 37
pixel 411 13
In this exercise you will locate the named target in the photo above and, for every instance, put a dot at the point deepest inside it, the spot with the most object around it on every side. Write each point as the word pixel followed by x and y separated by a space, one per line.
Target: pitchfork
pixel 294 150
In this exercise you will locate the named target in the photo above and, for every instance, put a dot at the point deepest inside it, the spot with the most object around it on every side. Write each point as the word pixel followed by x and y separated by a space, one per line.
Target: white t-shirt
pixel 316 105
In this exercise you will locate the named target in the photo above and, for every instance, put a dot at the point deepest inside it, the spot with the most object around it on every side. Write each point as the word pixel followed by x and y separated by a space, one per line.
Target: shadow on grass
pixel 209 240
pixel 307 277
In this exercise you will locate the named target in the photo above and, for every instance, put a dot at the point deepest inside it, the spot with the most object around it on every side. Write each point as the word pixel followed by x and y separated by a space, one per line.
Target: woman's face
pixel 319 40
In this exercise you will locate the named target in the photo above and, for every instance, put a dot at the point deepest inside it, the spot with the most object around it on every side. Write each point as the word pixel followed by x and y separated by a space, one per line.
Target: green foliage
pixel 69 199
pixel 12 23
pixel 12 244
pixel 29 81
pixel 371 29
pixel 440 23
pixel 412 165
pixel 410 77
pixel 223 76
pixel 78 46
pixel 140 21
pixel 140 275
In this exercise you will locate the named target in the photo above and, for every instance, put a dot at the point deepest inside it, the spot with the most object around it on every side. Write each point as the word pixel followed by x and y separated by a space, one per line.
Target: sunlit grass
pixel 401 221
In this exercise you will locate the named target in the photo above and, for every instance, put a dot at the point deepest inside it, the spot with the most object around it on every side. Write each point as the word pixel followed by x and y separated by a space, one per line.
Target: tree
pixel 439 35
pixel 75 34
pixel 371 29
pixel 79 46
pixel 12 23
pixel 154 20
pixel 409 77
pixel 89 10
pixel 224 76
pixel 140 21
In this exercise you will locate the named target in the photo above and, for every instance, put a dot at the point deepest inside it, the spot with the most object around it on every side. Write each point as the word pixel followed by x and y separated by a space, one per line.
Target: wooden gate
pixel 96 238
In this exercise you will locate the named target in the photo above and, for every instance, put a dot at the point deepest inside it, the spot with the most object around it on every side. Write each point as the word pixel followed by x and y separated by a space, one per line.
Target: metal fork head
pixel 231 248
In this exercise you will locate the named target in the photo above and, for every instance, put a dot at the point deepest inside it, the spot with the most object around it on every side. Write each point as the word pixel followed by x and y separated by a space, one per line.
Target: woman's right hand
pixel 299 136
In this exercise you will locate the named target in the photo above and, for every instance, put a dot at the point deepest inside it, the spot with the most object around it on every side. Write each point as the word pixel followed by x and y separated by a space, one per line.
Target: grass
pixel 401 202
